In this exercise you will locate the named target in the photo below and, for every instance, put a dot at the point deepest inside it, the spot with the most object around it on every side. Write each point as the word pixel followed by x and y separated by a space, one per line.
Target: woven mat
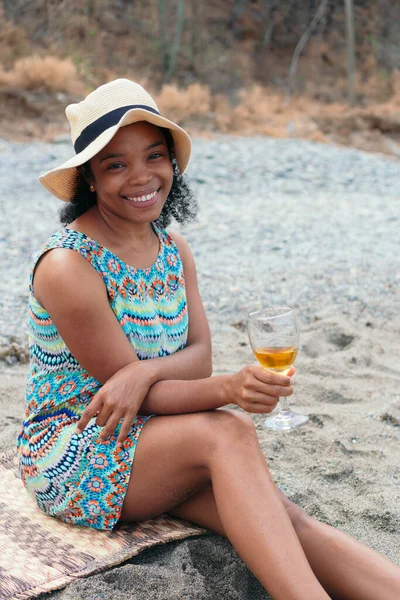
pixel 39 554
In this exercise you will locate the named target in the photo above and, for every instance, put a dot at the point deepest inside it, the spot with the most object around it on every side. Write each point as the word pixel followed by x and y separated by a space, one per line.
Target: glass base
pixel 285 420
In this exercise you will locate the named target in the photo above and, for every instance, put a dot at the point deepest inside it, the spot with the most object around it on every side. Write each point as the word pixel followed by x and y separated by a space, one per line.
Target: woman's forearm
pixel 176 396
pixel 193 362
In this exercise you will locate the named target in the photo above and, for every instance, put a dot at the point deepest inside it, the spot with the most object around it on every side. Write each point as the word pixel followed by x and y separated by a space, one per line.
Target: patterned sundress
pixel 76 477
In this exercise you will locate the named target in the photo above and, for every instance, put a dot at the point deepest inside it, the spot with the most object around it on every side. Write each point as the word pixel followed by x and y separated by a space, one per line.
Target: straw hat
pixel 95 121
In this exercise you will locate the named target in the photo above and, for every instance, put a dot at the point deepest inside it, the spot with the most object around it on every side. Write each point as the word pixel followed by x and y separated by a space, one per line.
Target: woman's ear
pixel 87 175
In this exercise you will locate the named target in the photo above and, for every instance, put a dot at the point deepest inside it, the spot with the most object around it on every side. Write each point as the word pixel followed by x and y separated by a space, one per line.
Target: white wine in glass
pixel 274 337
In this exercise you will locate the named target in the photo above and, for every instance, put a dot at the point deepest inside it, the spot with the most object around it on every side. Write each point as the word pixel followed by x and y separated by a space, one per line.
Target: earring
pixel 92 188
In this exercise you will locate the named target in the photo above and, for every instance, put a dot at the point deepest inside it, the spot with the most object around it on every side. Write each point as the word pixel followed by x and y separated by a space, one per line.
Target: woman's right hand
pixel 256 390
pixel 119 400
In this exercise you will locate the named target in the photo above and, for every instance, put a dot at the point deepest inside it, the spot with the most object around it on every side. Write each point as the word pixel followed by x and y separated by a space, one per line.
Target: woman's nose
pixel 139 174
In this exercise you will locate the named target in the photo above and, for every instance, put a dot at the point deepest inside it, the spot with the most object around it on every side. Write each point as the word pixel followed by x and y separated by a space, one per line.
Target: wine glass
pixel 274 337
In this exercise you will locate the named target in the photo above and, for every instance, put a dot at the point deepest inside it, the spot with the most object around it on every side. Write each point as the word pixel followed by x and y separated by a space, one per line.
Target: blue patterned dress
pixel 76 477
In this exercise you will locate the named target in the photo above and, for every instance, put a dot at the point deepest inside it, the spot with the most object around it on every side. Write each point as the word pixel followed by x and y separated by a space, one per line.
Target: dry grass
pixel 254 110
pixel 50 73
pixel 182 104
pixel 262 111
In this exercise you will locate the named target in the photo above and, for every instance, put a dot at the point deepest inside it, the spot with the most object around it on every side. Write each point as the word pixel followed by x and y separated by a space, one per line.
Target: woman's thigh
pixel 170 463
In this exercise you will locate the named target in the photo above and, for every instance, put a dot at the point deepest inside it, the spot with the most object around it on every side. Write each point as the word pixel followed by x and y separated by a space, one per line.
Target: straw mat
pixel 39 554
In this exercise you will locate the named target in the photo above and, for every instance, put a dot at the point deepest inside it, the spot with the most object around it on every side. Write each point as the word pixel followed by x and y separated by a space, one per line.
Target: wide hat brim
pixel 61 181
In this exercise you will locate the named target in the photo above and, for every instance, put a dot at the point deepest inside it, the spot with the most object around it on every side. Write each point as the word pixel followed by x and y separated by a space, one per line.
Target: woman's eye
pixel 114 166
pixel 155 155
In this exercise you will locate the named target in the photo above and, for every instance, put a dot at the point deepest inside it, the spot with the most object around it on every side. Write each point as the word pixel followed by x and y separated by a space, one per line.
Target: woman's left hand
pixel 119 398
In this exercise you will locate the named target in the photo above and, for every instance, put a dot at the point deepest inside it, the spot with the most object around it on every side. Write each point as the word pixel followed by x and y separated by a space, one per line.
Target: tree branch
pixel 301 45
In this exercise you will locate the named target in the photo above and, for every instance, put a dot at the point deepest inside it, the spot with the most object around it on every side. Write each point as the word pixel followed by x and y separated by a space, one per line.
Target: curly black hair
pixel 180 205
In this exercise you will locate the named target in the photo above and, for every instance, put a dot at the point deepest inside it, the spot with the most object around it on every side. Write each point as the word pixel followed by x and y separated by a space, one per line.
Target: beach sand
pixel 343 467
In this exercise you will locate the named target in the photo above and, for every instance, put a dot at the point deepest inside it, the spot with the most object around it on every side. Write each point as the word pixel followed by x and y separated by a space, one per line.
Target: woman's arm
pixel 75 296
pixel 253 389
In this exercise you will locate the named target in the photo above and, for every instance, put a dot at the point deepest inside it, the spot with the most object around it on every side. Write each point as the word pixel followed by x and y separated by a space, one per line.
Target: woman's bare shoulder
pixel 63 271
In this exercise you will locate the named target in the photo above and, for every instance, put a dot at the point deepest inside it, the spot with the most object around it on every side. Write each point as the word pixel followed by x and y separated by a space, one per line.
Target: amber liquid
pixel 276 359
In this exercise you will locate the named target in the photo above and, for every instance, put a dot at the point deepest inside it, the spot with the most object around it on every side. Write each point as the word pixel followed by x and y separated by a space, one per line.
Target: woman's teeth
pixel 141 198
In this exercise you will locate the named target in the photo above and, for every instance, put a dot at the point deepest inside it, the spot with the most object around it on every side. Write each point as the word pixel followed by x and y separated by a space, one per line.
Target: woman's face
pixel 133 174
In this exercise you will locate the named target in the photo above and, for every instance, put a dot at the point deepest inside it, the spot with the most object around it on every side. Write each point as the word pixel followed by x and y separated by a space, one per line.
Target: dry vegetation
pixel 49 73
pixel 55 52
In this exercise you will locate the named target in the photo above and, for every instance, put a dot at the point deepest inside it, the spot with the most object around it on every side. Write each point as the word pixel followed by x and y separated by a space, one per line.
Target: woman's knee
pixel 233 427
pixel 219 432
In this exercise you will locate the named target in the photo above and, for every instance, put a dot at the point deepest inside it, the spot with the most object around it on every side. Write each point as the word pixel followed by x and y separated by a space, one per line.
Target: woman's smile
pixel 144 199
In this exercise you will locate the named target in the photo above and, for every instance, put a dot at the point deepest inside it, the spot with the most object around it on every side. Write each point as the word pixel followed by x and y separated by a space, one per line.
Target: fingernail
pixel 77 430
pixel 119 445
pixel 291 381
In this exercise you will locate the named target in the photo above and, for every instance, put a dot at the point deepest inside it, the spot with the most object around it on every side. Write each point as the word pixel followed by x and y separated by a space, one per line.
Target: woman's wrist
pixel 148 371
pixel 222 389
pixel 152 370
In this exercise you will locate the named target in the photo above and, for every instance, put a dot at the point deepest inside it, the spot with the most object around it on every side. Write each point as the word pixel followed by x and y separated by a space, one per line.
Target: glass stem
pixel 283 403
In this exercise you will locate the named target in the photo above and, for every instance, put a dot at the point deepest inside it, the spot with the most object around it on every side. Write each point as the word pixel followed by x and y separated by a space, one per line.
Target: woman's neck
pixel 113 232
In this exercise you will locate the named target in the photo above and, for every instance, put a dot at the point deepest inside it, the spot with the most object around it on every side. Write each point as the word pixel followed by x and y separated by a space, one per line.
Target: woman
pixel 119 333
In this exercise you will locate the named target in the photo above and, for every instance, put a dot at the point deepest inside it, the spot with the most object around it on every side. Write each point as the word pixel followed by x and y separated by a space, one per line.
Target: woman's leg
pixel 347 569
pixel 177 456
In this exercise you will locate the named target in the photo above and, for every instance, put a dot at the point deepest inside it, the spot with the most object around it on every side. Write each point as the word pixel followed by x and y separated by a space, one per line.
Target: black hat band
pixel 92 131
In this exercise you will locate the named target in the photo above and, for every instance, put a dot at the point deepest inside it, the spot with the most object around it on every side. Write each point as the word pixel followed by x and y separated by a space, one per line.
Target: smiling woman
pixel 121 406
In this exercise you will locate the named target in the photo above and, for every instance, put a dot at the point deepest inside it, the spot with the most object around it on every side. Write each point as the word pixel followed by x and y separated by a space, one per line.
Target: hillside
pixel 214 66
